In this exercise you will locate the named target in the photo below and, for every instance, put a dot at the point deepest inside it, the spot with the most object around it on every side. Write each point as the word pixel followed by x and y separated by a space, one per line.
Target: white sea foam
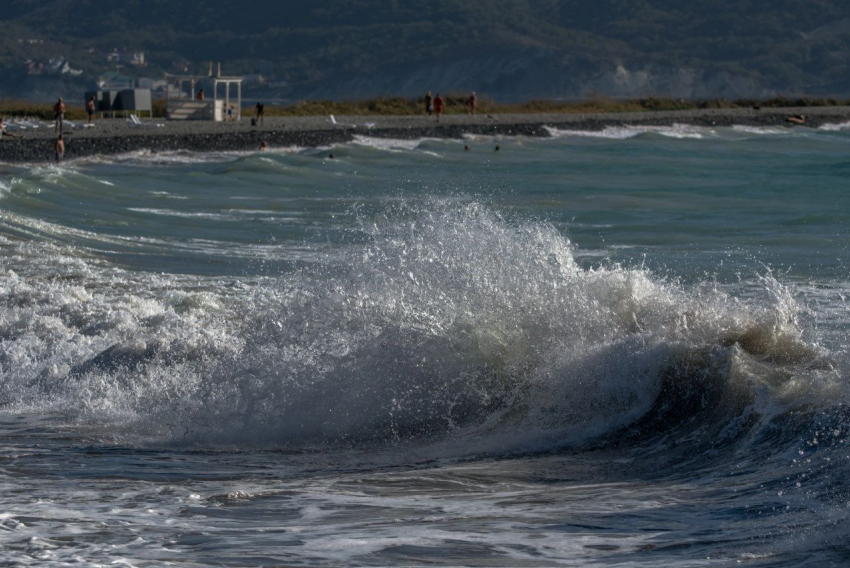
pixel 184 214
pixel 388 144
pixel 761 130
pixel 178 157
pixel 682 131
pixel 226 215
pixel 835 127
pixel 169 195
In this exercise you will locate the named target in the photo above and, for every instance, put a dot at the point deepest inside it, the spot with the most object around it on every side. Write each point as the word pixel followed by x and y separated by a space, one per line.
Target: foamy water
pixel 623 350
pixel 626 132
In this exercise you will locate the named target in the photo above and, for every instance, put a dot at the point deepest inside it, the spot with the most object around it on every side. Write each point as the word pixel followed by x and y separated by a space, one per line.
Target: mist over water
pixel 627 346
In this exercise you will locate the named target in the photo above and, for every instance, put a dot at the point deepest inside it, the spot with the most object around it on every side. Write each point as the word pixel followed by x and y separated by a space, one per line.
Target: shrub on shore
pixel 41 111
pixel 44 111
pixel 457 104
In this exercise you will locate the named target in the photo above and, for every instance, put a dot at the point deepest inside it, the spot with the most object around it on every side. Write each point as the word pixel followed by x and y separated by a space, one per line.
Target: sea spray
pixel 447 321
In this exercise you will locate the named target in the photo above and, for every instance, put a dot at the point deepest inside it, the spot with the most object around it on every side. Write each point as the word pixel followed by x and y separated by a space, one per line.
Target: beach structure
pixel 130 101
pixel 183 104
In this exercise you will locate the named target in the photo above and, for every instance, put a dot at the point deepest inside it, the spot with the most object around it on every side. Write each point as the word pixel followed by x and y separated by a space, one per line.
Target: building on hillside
pixel 157 86
pixel 118 57
pixel 54 66
pixel 114 81
pixel 34 67
pixel 180 66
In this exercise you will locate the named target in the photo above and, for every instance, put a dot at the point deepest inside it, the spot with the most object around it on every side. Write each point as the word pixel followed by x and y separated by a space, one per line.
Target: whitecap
pixel 388 144
pixel 760 130
pixel 681 131
pixel 835 127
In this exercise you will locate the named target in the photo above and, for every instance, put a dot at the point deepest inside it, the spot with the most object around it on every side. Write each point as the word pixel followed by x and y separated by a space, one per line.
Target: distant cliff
pixel 506 49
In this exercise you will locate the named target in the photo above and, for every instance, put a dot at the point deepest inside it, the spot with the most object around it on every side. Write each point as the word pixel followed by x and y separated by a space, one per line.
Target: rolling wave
pixel 451 325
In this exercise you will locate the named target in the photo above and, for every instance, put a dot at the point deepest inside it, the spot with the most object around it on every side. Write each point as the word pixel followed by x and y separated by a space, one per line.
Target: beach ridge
pixel 119 136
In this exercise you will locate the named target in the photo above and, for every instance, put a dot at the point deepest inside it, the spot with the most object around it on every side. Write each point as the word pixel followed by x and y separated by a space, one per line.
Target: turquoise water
pixel 620 347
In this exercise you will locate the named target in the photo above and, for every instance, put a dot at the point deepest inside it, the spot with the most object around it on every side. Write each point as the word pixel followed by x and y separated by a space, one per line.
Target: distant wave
pixel 835 127
pixel 389 144
pixel 684 131
pixel 761 130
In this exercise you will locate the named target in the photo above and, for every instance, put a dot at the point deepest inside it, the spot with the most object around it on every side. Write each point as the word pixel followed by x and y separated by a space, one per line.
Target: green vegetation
pixel 398 106
pixel 455 104
pixel 42 111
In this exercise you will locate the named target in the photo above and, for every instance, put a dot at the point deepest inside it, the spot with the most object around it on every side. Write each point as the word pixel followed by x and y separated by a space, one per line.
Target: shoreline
pixel 119 136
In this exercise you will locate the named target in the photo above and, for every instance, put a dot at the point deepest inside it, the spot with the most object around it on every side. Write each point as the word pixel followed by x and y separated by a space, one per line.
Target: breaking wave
pixel 449 323
pixel 626 132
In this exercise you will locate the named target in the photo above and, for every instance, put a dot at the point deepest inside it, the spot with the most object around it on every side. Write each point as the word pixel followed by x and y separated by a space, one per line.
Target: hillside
pixel 506 49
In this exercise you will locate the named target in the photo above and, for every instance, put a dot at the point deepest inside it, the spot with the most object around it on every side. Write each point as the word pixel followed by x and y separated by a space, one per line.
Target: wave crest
pixel 450 322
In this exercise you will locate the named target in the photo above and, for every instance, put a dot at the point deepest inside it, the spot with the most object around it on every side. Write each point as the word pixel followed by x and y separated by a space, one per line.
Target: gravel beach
pixel 118 136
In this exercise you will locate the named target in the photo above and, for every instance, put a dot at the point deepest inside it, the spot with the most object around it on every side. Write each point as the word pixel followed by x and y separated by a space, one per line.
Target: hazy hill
pixel 504 49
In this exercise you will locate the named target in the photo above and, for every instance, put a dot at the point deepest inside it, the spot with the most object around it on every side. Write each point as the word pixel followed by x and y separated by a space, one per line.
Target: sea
pixel 625 347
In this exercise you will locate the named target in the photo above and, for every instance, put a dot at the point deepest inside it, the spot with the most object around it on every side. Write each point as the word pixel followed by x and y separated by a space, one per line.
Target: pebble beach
pixel 118 136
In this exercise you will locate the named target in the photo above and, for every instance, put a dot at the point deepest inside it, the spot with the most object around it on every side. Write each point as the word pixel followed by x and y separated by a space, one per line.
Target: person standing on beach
pixel 59 148
pixel 428 103
pixel 473 100
pixel 261 109
pixel 438 106
pixel 90 108
pixel 59 114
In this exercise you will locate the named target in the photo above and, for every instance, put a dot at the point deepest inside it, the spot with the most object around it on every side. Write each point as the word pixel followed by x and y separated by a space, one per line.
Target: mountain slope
pixel 507 49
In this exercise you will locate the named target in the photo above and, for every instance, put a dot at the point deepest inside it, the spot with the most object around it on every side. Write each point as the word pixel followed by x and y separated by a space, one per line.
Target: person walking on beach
pixel 261 109
pixel 473 100
pixel 90 108
pixel 438 106
pixel 59 115
pixel 428 103
pixel 59 148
